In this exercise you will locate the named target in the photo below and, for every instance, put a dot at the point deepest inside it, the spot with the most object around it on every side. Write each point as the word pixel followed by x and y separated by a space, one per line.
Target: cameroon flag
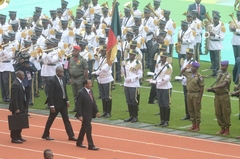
pixel 114 31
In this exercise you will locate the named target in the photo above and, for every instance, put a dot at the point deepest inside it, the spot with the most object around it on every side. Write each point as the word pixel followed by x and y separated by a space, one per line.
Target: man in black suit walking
pixel 58 102
pixel 86 110
pixel 17 104
pixel 199 7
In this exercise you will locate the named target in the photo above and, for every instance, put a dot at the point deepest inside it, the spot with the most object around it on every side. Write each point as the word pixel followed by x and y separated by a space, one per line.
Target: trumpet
pixel 98 50
pixel 208 30
pixel 151 8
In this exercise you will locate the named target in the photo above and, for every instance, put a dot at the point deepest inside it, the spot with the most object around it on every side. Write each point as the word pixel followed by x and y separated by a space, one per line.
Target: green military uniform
pixel 194 84
pixel 222 100
pixel 77 66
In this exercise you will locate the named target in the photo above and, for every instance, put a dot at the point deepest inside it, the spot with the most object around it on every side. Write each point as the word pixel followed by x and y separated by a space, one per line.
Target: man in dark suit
pixel 17 104
pixel 86 110
pixel 58 102
pixel 199 7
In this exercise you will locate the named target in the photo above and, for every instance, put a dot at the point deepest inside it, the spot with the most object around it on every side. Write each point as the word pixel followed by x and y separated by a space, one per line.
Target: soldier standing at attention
pixel 78 71
pixel 222 99
pixel 195 86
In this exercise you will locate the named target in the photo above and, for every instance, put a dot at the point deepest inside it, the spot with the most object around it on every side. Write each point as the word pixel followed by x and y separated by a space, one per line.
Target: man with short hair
pixel 58 102
pixel 47 154
pixel 199 7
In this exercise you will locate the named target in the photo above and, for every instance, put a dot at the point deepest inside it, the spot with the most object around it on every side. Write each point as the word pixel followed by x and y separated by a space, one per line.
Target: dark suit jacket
pixel 17 100
pixel 85 106
pixel 202 10
pixel 55 93
pixel 154 49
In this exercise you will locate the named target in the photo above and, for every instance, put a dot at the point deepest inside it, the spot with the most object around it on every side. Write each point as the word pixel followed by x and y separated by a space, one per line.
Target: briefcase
pixel 17 122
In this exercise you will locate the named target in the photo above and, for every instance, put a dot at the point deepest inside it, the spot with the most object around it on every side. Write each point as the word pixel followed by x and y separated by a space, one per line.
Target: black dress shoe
pixel 16 141
pixel 152 102
pixel 72 139
pixel 93 148
pixel 108 115
pixel 81 145
pixel 104 114
pixel 160 124
pixel 74 110
pixel 134 120
pixel 165 124
pixel 129 119
pixel 22 139
pixel 186 118
pixel 48 138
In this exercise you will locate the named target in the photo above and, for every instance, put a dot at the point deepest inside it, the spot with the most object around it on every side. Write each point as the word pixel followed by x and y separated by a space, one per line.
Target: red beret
pixel 77 47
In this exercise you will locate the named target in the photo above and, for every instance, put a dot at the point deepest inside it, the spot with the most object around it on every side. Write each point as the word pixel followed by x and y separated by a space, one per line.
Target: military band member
pixel 79 15
pixel 15 25
pixel 236 36
pixel 88 11
pixel 128 20
pixel 157 49
pixel 97 8
pixel 170 29
pixel 35 20
pixel 59 14
pixel 13 16
pixel 149 27
pixel 106 19
pixel 126 43
pixel 49 59
pixel 185 39
pixel 77 26
pixel 222 99
pixel 136 11
pixel 163 72
pixel 46 27
pixel 197 27
pixel 39 11
pixel 3 24
pixel 6 68
pixel 41 40
pixel 54 21
pixel 65 10
pixel 184 63
pixel 23 32
pixel 195 87
pixel 78 71
pixel 157 9
pixel 215 43
pixel 132 71
pixel 98 26
pixel 84 51
pixel 104 73
pixel 67 35
pixel 236 93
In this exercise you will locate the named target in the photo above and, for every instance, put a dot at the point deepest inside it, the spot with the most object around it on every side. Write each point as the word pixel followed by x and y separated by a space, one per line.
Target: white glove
pixel 153 81
pixel 123 63
pixel 150 73
pixel 179 78
pixel 128 79
pixel 93 73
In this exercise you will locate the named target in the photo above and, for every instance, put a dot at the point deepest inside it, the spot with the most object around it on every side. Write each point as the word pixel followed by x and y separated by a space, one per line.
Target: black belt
pixel 194 92
pixel 214 40
pixel 51 64
pixel 5 61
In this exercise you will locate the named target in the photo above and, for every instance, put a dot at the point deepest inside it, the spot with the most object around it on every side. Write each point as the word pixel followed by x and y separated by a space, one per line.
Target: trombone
pixel 4 45
pixel 234 21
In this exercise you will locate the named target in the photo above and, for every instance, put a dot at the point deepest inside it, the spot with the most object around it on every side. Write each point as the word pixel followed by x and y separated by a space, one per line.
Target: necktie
pixel 198 8
pixel 61 83
pixel 90 94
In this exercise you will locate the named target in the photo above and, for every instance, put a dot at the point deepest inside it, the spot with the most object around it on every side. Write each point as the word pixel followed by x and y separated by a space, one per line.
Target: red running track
pixel 114 142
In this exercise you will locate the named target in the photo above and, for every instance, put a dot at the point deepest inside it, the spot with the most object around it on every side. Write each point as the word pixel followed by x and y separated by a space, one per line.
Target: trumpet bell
pixel 4 3
pixel 128 4
pixel 206 35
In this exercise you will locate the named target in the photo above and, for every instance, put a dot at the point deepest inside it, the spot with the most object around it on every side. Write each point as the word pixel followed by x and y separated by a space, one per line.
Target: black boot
pixel 104 105
pixel 167 117
pixel 162 116
pixel 135 113
pixel 108 108
pixel 130 110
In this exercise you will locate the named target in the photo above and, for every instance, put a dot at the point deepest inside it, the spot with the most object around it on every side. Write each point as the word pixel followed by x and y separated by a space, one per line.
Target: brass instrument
pixel 129 5
pixel 178 44
pixel 4 45
pixel 208 28
pixel 234 22
pixel 4 4
pixel 98 50
pixel 236 4
pixel 152 9
pixel 105 5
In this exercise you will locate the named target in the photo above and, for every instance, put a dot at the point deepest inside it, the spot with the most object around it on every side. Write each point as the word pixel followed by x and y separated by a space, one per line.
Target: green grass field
pixel 147 111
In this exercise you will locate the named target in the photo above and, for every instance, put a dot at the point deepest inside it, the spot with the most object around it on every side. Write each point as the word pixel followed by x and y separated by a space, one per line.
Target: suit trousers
pixel 85 129
pixel 15 134
pixel 64 113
